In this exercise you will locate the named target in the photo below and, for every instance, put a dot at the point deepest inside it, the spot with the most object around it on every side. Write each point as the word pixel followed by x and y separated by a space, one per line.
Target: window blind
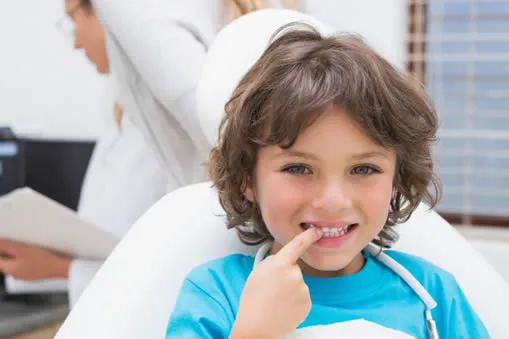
pixel 460 49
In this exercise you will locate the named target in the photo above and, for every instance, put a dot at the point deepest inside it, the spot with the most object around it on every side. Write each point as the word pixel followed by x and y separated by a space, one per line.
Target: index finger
pixel 292 251
pixel 9 247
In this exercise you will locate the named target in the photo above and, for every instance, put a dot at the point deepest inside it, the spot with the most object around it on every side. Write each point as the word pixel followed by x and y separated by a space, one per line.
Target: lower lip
pixel 332 242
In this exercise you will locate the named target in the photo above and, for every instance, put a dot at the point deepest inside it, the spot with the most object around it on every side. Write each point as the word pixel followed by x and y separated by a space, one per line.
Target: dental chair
pixel 133 294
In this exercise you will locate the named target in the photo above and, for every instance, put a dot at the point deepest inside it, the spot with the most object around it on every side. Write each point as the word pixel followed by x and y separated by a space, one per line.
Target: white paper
pixel 16 286
pixel 356 329
pixel 30 217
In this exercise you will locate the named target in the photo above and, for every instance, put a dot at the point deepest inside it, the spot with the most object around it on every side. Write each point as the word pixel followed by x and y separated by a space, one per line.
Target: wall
pixel 383 24
pixel 49 89
pixel 492 243
pixel 46 87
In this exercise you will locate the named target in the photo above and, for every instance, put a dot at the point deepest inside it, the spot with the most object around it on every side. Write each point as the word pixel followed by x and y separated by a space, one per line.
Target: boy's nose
pixel 333 196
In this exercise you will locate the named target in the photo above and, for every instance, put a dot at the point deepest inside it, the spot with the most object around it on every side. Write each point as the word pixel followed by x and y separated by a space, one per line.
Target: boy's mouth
pixel 331 231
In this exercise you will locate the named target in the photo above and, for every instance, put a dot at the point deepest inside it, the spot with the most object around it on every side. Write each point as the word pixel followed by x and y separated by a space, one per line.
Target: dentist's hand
pixel 29 262
pixel 275 299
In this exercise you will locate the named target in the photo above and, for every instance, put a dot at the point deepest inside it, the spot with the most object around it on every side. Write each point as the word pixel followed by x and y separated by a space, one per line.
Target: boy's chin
pixel 323 266
pixel 329 266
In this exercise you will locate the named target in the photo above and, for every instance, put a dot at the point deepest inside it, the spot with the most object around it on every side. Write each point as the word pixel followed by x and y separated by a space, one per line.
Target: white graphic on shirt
pixel 356 329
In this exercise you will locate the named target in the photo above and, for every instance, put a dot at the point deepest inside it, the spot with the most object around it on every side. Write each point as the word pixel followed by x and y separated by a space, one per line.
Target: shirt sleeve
pixel 197 314
pixel 463 321
pixel 81 273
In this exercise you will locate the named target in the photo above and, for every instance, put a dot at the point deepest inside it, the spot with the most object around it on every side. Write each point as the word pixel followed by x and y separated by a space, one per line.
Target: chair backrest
pixel 133 294
pixel 234 51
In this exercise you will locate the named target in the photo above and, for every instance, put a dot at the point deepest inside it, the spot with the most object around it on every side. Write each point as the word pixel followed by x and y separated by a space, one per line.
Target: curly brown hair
pixel 299 76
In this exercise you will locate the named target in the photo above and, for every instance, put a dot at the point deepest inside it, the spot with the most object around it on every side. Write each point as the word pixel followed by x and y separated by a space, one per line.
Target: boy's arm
pixel 198 314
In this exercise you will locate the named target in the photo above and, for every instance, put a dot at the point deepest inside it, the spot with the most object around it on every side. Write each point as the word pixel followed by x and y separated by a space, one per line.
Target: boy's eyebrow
pixel 359 156
pixel 372 154
pixel 293 153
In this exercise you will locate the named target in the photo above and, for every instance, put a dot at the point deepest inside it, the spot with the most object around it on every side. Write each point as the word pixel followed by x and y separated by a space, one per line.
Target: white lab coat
pixel 122 181
pixel 156 50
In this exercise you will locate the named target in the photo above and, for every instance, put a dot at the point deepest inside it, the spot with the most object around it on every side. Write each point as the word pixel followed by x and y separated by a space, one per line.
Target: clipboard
pixel 31 217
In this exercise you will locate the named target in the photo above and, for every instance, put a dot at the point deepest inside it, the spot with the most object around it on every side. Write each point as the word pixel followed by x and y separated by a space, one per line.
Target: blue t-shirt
pixel 209 299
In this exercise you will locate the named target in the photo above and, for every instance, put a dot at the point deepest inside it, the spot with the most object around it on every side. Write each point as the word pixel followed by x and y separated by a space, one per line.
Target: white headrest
pixel 235 50
pixel 133 294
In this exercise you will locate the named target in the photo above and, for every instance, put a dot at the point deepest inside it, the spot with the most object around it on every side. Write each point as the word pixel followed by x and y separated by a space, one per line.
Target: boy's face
pixel 333 176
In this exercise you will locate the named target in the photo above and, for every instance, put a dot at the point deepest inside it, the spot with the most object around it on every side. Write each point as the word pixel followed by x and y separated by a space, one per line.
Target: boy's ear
pixel 248 190
pixel 248 193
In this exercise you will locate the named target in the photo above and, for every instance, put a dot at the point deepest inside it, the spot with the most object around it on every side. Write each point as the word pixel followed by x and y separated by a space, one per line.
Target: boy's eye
pixel 297 169
pixel 364 170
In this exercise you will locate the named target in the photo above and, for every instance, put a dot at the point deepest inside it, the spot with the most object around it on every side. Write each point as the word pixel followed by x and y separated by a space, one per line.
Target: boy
pixel 323 149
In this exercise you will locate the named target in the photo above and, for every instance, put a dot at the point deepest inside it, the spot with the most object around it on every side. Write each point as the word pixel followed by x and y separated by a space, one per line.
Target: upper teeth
pixel 331 231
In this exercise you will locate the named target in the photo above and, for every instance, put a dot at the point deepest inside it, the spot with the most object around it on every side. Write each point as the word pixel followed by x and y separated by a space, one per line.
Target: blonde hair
pixel 118 114
pixel 237 8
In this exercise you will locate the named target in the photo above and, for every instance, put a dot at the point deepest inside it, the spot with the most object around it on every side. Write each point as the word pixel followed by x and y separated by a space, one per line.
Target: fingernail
pixel 318 231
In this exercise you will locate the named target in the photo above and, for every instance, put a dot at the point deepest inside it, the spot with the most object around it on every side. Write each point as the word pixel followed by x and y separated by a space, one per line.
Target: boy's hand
pixel 29 262
pixel 275 299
